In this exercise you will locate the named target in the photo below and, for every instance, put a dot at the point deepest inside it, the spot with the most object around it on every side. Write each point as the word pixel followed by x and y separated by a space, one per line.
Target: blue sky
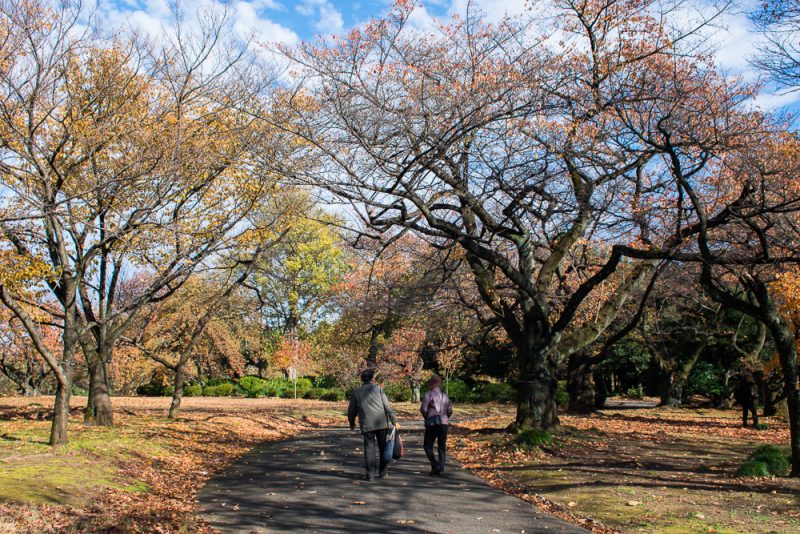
pixel 292 21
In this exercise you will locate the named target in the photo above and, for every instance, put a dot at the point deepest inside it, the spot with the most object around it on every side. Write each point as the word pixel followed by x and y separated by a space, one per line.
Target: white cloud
pixel 494 9
pixel 329 19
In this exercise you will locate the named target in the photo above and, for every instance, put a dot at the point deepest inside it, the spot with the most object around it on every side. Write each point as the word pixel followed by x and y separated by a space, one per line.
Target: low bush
pixel 221 390
pixel 195 390
pixel 533 437
pixel 274 387
pixel 218 381
pixel 150 389
pixel 458 391
pixel 764 461
pixel 333 394
pixel 635 393
pixel 324 382
pixel 490 392
pixel 314 393
pixel 753 469
pixel 252 386
pixel 303 385
pixel 776 460
pixel 397 392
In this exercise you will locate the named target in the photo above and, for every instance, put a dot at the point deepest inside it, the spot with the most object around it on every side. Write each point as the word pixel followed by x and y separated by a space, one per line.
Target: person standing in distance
pixel 375 417
pixel 437 409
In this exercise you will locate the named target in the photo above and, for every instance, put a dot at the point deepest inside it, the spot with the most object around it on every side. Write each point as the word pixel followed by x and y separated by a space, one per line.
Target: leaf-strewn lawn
pixel 649 470
pixel 652 470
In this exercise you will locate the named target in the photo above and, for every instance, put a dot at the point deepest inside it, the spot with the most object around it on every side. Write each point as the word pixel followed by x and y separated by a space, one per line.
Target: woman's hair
pixel 434 381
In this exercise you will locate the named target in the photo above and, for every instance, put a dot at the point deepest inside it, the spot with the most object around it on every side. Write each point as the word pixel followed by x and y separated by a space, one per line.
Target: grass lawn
pixel 646 470
pixel 643 470
pixel 143 474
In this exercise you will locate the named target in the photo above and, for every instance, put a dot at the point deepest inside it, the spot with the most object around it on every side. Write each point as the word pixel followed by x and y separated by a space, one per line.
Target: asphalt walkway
pixel 314 483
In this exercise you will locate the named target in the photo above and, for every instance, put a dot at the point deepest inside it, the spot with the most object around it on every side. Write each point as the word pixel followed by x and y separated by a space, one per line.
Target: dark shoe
pixel 384 472
pixel 434 473
pixel 369 478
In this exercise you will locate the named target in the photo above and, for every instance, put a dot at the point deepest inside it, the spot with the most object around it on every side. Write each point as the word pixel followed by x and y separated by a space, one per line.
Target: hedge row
pixel 248 386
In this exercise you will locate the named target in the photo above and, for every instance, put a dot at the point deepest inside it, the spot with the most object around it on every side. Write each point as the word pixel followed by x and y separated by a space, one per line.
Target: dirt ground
pixel 644 470
pixel 632 470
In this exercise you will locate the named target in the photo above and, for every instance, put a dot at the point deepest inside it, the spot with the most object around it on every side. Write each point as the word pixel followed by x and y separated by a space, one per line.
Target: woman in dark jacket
pixel 436 409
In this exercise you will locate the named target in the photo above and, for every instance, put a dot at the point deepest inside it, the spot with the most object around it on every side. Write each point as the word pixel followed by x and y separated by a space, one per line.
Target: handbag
pixel 433 421
pixel 388 449
pixel 397 451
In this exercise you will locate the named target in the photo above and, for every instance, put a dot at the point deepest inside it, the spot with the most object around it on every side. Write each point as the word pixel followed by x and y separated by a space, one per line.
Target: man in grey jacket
pixel 375 417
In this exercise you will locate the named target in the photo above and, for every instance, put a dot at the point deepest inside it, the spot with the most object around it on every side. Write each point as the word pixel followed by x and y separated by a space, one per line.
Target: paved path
pixel 313 483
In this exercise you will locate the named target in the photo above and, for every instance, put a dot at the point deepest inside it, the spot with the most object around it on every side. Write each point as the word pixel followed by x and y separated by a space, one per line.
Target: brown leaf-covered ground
pixel 653 470
pixel 143 474
pixel 648 470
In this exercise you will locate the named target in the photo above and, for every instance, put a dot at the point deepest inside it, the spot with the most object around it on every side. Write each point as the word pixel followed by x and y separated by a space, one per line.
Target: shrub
pixel 397 392
pixel 314 393
pixel 152 389
pixel 773 457
pixel 252 386
pixel 533 437
pixel 324 382
pixel 490 392
pixel 221 390
pixel 562 394
pixel 274 387
pixel 303 385
pixel 77 390
pixel 169 390
pixel 752 469
pixel 218 381
pixel 333 394
pixel 764 461
pixel 635 393
pixel 195 390
pixel 458 391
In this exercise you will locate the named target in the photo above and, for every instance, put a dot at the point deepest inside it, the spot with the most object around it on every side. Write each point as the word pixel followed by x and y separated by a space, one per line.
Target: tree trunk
pixel 600 390
pixel 177 394
pixel 678 376
pixel 580 385
pixel 415 396
pixel 787 352
pixel 99 409
pixel 536 390
pixel 58 429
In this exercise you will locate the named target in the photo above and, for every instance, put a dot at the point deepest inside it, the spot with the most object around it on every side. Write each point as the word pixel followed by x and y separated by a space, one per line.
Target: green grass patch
pixel 764 461
pixel 533 437
pixel 31 471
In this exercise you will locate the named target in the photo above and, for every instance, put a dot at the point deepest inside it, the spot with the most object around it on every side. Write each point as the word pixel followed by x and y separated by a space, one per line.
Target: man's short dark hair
pixel 367 375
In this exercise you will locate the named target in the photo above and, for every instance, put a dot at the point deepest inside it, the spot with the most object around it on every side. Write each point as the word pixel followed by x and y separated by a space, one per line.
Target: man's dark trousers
pixel 439 434
pixel 371 455
pixel 749 407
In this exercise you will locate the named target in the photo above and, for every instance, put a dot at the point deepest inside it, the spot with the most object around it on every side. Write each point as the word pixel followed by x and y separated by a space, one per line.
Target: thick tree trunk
pixel 677 378
pixel 601 390
pixel 58 429
pixel 177 394
pixel 579 385
pixel 99 410
pixel 536 390
pixel 787 352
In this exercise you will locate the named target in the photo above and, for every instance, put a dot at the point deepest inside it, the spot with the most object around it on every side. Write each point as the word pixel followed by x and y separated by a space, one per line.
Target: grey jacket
pixel 369 402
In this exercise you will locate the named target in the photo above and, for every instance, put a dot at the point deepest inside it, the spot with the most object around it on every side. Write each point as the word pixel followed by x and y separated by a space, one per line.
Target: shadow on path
pixel 313 483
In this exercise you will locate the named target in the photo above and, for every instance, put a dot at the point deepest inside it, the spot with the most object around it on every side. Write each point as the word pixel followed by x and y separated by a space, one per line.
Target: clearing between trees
pixel 653 470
